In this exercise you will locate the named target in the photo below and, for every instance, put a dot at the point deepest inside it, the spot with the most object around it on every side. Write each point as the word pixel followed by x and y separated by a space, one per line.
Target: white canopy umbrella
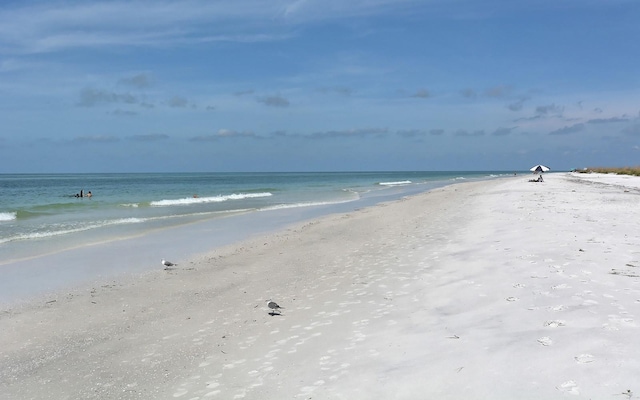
pixel 539 168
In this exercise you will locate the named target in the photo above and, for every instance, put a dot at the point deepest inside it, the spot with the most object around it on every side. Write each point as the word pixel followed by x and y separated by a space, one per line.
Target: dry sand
pixel 502 289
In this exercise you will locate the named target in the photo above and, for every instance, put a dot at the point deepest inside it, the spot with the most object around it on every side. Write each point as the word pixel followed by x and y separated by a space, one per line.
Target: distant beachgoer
pixel 81 193
pixel 89 194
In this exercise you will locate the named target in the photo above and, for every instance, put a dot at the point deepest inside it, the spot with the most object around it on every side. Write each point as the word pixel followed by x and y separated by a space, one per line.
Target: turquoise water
pixel 40 213
pixel 51 240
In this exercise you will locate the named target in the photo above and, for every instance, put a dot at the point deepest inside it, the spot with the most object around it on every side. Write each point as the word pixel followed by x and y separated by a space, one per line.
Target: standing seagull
pixel 274 306
pixel 167 264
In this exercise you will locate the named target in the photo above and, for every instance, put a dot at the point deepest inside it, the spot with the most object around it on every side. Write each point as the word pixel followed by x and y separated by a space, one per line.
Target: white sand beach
pixel 501 289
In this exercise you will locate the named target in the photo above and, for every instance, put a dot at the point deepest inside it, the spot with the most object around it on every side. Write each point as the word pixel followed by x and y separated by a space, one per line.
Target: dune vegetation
pixel 614 170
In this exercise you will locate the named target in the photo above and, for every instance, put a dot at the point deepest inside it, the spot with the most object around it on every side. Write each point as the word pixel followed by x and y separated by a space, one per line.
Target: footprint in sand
pixel 519 285
pixel 561 286
pixel 569 387
pixel 512 299
pixel 616 322
pixel 554 324
pixel 584 358
pixel 180 393
pixel 545 341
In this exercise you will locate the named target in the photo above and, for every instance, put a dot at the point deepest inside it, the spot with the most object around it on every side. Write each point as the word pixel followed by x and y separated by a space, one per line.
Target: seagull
pixel 168 264
pixel 274 306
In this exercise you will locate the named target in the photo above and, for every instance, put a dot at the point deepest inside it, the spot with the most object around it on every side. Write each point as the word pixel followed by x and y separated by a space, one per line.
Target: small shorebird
pixel 274 306
pixel 168 264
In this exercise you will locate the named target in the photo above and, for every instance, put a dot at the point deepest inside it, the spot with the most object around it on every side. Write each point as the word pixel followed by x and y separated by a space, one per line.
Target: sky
pixel 318 85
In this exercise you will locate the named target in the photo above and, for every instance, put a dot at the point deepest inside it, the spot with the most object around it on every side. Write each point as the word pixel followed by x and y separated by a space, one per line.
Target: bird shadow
pixel 273 314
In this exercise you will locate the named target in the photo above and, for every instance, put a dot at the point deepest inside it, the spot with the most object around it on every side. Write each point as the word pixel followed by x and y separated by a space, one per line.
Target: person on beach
pixel 89 193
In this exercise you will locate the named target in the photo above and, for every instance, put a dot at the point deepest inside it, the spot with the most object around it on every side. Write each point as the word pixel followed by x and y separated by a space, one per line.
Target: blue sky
pixel 318 85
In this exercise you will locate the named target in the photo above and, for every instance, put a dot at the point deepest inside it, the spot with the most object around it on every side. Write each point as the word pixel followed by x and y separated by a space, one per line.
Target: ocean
pixel 42 216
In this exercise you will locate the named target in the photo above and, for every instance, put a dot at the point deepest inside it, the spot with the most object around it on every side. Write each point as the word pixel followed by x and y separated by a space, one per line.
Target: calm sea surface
pixel 51 240
pixel 40 213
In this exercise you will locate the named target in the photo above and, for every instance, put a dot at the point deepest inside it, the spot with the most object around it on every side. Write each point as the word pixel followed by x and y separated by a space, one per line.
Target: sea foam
pixel 8 216
pixel 68 230
pixel 213 199
pixel 305 204
pixel 394 183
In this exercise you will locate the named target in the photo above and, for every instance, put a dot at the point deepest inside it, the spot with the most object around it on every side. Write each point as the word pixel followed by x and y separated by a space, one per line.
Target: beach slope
pixel 503 289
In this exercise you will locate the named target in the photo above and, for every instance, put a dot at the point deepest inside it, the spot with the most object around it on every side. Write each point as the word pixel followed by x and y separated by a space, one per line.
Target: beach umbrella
pixel 539 168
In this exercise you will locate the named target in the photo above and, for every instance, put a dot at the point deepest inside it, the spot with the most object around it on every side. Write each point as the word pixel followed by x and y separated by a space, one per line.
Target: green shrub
pixel 635 171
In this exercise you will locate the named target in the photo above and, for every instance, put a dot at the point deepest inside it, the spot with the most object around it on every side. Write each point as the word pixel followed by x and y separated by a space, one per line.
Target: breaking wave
pixel 202 200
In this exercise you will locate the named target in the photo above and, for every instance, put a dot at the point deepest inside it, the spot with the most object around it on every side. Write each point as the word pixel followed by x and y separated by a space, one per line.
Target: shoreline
pixel 113 258
pixel 492 289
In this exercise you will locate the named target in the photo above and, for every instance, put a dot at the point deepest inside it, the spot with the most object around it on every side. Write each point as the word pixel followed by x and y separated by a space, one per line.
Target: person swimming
pixel 81 194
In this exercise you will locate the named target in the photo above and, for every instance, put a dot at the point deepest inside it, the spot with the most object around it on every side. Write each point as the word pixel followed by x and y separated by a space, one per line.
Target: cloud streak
pixel 57 25
pixel 351 133
pixel 95 139
pixel 503 131
pixel 139 81
pixel 550 109
pixel 91 97
pixel 274 101
pixel 466 133
pixel 567 130
pixel 60 25
pixel 611 120
pixel 152 137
